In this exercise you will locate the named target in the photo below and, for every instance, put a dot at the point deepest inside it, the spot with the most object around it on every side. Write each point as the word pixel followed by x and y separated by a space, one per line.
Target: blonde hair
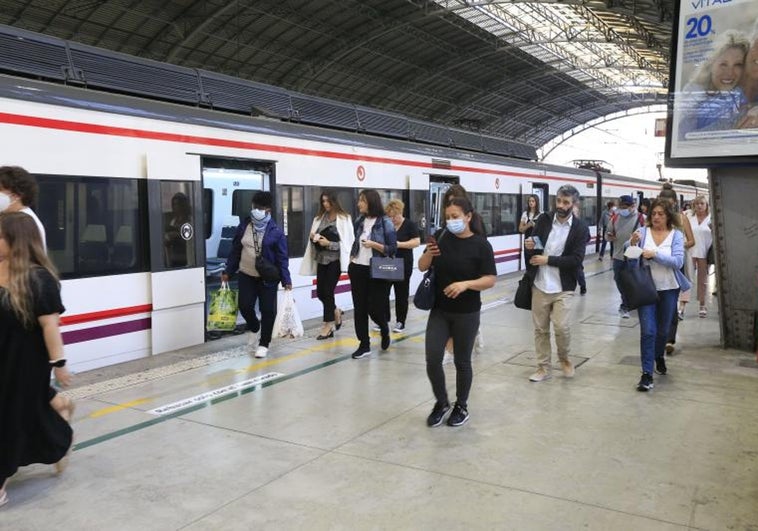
pixel 703 199
pixel 726 41
pixel 395 205
pixel 25 251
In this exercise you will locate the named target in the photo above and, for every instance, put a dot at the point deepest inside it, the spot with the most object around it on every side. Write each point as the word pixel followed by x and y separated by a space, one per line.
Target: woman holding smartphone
pixel 464 266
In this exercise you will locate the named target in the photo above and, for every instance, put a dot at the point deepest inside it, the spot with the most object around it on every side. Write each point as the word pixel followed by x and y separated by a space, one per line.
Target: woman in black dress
pixel 31 431
pixel 407 240
pixel 464 266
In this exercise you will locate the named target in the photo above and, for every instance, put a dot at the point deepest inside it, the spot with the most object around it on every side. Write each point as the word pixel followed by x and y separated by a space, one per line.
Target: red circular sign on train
pixel 360 173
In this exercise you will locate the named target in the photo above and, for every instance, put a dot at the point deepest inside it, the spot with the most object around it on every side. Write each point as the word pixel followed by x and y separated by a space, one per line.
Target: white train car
pixel 140 199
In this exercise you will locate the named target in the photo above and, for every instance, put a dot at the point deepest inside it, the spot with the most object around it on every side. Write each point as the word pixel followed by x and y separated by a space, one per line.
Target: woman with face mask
pixel 31 430
pixel 259 254
pixel 464 266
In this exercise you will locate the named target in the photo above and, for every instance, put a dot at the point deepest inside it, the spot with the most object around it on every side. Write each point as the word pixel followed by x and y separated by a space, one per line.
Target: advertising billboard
pixel 713 109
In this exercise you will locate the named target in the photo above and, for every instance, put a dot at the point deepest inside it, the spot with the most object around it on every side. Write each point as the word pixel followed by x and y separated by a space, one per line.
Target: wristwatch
pixel 60 362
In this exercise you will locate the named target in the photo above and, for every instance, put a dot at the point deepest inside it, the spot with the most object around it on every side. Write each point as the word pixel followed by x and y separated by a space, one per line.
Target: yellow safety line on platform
pixel 118 407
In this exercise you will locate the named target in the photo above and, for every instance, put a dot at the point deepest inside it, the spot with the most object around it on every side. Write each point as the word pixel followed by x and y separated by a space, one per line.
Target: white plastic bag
pixel 287 322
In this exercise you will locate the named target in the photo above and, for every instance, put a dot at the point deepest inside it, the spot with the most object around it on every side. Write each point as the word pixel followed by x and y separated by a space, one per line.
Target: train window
pixel 242 201
pixel 95 226
pixel 291 217
pixel 589 211
pixel 509 214
pixel 417 209
pixel 487 207
pixel 178 224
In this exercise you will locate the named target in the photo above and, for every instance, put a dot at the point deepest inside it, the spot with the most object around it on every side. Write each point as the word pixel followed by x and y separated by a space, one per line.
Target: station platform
pixel 210 438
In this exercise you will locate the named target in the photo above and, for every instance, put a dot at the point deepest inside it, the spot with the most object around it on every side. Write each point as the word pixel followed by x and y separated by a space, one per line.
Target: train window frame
pixel 63 225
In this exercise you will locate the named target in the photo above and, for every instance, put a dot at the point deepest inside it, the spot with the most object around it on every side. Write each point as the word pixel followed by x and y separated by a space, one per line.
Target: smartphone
pixel 431 240
pixel 537 242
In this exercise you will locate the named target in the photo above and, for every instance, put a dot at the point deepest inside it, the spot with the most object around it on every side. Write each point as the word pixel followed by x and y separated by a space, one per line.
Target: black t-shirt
pixel 461 259
pixel 407 231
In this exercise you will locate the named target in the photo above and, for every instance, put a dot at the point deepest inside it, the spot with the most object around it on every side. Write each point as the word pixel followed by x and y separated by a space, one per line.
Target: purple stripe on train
pixel 99 332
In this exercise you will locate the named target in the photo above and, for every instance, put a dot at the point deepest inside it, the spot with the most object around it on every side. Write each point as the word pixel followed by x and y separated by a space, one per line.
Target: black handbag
pixel 330 233
pixel 266 270
pixel 637 285
pixel 424 297
pixel 390 268
pixel 523 297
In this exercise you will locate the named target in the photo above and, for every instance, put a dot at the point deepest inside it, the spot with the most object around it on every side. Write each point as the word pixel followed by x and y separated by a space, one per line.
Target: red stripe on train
pixel 105 314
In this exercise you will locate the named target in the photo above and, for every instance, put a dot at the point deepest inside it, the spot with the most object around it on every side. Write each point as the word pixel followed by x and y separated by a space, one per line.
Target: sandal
pixel 703 312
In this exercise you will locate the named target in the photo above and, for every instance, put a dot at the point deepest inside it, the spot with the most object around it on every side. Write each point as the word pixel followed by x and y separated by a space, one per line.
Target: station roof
pixel 520 70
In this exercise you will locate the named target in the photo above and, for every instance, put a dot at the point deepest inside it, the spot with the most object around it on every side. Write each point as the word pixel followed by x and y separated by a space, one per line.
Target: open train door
pixel 542 191
pixel 177 252
pixel 438 185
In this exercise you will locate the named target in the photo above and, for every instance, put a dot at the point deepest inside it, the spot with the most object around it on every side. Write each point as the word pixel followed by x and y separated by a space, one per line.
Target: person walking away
pixel 464 266
pixel 259 236
pixel 554 273
pixel 623 223
pixel 31 430
pixel 605 220
pixel 663 248
pixel 700 220
pixel 407 240
pixel 374 236
pixel 327 254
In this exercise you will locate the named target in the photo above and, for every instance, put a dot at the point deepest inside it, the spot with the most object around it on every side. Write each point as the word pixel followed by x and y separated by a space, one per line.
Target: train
pixel 140 198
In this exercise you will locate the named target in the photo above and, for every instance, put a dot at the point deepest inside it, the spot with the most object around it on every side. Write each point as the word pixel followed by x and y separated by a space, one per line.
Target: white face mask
pixel 5 201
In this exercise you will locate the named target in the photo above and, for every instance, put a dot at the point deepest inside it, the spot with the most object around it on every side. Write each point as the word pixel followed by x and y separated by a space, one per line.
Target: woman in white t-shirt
pixel 663 251
pixel 530 215
pixel 700 220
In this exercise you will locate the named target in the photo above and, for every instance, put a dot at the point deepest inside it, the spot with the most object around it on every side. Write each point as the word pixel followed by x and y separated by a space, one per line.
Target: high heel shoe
pixel 327 336
pixel 338 322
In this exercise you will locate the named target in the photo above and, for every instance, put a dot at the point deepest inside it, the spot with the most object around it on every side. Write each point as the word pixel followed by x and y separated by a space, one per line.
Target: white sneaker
pixel 479 344
pixel 376 328
pixel 261 352
pixel 448 357
pixel 252 340
pixel 625 314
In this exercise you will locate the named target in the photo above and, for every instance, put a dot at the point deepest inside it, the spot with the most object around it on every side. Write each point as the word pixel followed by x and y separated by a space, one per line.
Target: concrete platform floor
pixel 322 441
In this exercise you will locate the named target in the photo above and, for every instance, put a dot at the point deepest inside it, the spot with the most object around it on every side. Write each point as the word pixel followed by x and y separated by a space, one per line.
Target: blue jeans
pixel 618 266
pixel 655 321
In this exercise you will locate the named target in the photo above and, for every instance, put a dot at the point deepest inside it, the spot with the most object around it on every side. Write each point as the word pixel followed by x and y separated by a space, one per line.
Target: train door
pixel 177 270
pixel 438 185
pixel 542 191
pixel 228 189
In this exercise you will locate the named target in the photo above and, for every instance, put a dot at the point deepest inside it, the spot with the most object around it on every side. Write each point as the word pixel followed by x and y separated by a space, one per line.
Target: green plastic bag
pixel 222 314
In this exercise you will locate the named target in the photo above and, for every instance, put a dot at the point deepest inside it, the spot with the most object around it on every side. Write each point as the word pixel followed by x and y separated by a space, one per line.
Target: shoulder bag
pixel 637 285
pixel 267 271
pixel 389 268
pixel 523 297
pixel 425 292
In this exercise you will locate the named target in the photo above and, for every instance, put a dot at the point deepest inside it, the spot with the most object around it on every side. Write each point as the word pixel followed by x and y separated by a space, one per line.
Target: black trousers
pixel 370 299
pixel 252 290
pixel 402 293
pixel 327 276
pixel 462 327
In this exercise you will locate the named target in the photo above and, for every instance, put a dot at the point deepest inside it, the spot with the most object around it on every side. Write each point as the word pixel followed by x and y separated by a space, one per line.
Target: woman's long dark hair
pixel 25 250
pixel 332 197
pixel 374 202
pixel 536 203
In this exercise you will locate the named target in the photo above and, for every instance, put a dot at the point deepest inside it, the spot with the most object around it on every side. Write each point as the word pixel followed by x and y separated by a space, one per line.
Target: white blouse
pixel 702 233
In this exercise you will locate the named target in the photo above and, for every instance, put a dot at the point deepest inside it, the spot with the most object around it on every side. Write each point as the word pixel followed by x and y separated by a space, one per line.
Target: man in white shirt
pixel 554 272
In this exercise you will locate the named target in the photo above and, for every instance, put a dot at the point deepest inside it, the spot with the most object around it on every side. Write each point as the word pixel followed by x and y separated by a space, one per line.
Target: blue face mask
pixel 456 226
pixel 625 212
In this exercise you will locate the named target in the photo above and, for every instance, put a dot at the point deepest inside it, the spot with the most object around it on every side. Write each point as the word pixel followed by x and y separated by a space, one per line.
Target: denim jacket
pixel 675 261
pixel 382 232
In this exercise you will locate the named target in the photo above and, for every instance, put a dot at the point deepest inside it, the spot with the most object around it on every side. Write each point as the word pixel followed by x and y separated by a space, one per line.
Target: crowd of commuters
pixel 672 244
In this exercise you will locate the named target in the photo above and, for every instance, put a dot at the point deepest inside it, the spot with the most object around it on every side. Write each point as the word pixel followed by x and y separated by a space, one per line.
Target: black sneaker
pixel 437 415
pixel 399 327
pixel 646 383
pixel 583 291
pixel 458 417
pixel 386 340
pixel 362 352
pixel 660 366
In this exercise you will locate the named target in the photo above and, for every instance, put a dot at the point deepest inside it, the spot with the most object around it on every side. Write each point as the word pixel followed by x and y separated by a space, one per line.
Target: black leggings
pixel 462 327
pixel 252 290
pixel 327 276
pixel 370 299
pixel 402 293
